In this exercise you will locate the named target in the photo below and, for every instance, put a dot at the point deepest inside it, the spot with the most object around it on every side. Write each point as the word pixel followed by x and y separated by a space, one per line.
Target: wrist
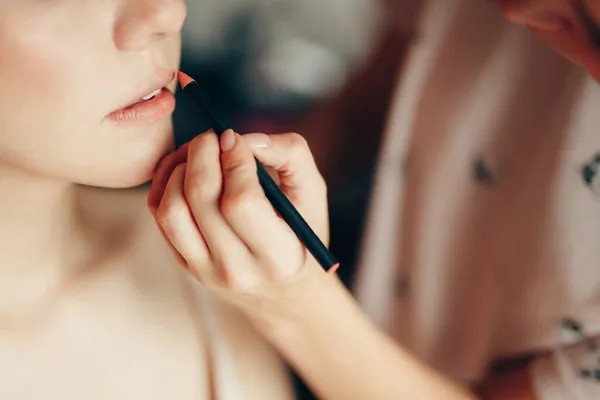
pixel 292 306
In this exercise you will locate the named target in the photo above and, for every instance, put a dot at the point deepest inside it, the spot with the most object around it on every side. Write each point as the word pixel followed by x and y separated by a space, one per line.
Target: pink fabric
pixel 482 233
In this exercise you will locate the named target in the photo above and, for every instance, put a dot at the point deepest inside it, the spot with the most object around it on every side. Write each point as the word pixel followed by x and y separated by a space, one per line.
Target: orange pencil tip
pixel 184 79
pixel 334 269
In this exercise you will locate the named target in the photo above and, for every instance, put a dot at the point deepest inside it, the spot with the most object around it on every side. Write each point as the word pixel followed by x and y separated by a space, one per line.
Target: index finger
pixel 289 155
pixel 299 178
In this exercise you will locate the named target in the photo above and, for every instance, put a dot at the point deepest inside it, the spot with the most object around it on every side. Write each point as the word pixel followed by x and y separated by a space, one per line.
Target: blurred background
pixel 322 68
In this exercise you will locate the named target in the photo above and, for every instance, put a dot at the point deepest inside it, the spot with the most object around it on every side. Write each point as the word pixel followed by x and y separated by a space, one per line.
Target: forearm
pixel 341 355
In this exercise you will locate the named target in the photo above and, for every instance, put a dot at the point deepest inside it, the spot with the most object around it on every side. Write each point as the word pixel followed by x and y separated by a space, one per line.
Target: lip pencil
pixel 278 199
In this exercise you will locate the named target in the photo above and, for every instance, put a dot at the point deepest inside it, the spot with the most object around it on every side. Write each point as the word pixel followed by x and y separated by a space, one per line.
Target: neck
pixel 40 236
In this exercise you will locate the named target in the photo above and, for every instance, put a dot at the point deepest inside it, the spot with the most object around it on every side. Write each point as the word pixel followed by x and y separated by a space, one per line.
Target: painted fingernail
pixel 257 140
pixel 228 140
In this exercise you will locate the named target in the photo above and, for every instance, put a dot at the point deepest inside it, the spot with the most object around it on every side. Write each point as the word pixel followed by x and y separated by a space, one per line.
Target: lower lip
pixel 148 112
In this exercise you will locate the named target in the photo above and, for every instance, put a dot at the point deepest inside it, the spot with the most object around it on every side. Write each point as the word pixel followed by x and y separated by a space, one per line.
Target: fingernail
pixel 228 140
pixel 257 140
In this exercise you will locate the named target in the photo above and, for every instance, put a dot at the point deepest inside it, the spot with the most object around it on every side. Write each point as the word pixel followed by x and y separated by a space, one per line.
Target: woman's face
pixel 66 67
pixel 571 27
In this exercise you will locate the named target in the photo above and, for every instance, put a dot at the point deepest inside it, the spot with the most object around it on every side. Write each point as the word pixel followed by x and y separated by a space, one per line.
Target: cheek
pixel 46 113
pixel 43 79
pixel 173 51
pixel 37 58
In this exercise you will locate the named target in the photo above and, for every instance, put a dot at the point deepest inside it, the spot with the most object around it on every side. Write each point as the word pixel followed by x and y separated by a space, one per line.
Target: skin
pixel 84 316
pixel 53 75
pixel 208 202
pixel 91 306
pixel 214 216
pixel 559 24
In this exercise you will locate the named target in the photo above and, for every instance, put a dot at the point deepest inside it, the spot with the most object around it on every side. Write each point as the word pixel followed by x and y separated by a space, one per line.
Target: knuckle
pixel 169 212
pixel 239 163
pixel 198 262
pixel 204 142
pixel 242 166
pixel 237 282
pixel 298 143
pixel 299 149
pixel 300 154
pixel 199 187
pixel 239 205
pixel 230 280
pixel 207 137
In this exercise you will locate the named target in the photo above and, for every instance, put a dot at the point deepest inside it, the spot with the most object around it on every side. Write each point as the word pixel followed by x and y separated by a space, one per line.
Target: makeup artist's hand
pixel 211 209
pixel 213 213
pixel 570 27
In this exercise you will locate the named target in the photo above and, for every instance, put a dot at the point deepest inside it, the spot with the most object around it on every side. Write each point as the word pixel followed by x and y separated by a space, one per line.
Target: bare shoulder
pixel 123 213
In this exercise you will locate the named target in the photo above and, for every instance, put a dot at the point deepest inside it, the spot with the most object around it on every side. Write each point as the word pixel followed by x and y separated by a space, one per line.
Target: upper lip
pixel 160 81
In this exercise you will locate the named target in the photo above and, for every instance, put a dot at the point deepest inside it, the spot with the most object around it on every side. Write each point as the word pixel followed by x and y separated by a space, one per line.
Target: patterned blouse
pixel 483 238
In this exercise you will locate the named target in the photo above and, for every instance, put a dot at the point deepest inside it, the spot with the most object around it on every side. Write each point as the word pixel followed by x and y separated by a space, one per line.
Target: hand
pixel 571 27
pixel 212 211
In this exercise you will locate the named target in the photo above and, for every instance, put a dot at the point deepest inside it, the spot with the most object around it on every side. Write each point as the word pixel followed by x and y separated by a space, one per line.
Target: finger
pixel 202 190
pixel 248 211
pixel 289 155
pixel 535 14
pixel 565 29
pixel 179 260
pixel 176 221
pixel 163 173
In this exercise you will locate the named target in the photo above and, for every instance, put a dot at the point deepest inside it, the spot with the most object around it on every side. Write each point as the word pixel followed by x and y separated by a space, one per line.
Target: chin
pixel 128 173
pixel 132 158
pixel 128 183
pixel 124 180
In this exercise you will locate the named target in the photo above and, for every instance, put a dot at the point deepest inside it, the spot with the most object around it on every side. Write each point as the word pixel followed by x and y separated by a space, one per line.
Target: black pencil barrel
pixel 278 199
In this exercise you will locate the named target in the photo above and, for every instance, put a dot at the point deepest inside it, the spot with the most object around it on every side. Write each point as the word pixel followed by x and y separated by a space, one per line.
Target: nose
pixel 539 14
pixel 139 23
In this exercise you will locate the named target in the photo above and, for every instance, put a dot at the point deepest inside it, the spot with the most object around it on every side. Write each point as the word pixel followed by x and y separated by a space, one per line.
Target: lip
pixel 150 111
